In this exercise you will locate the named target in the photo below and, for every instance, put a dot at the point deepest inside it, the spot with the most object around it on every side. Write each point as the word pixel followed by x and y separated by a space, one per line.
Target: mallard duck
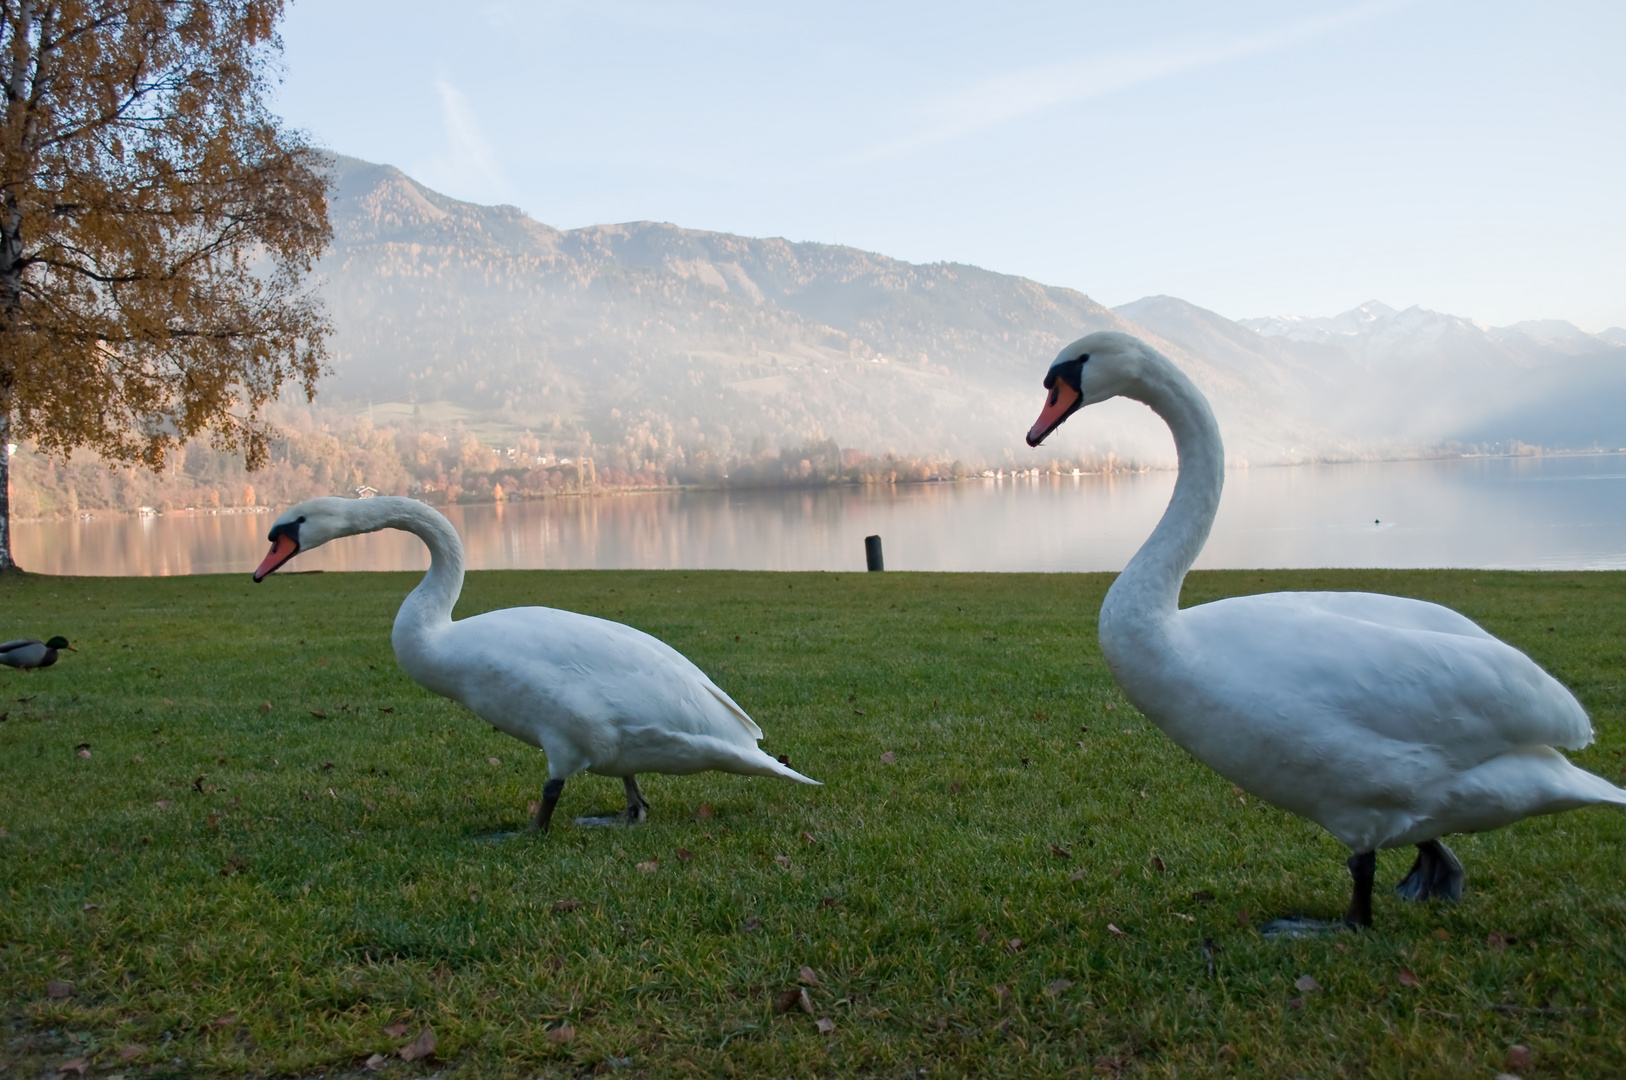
pixel 28 653
pixel 594 695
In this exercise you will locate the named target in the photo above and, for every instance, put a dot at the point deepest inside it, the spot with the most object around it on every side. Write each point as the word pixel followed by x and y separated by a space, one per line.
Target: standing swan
pixel 1386 721
pixel 592 694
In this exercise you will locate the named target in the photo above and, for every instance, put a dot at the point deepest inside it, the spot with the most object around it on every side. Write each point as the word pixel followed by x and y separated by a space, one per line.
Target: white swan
pixel 592 694
pixel 1384 720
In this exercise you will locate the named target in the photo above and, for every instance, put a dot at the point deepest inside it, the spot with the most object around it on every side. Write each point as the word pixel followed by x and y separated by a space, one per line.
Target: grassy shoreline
pixel 224 891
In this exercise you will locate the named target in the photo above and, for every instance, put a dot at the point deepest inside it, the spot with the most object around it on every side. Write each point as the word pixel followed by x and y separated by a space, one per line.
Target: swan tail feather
pixel 766 765
pixel 739 713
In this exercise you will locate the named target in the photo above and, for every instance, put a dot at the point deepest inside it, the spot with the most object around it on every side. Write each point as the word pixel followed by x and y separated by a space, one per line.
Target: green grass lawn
pixel 281 856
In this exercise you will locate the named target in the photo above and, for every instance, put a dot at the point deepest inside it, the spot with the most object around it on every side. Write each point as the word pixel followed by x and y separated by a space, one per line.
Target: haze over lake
pixel 1511 513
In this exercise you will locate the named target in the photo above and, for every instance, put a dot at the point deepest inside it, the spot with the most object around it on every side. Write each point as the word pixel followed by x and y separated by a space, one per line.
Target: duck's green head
pixel 60 642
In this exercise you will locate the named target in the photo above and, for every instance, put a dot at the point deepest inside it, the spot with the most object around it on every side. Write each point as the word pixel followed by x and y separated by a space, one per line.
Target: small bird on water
pixel 28 653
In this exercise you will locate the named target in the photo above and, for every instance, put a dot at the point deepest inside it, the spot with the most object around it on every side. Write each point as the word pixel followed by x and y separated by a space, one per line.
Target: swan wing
pixel 1398 612
pixel 585 689
pixel 1405 671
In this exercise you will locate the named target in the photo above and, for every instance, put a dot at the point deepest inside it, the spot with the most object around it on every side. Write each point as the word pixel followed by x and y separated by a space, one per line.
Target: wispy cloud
pixel 464 164
pixel 1016 94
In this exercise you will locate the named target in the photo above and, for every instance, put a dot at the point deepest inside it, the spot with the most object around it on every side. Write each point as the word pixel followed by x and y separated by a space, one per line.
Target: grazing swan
pixel 592 694
pixel 30 653
pixel 1386 721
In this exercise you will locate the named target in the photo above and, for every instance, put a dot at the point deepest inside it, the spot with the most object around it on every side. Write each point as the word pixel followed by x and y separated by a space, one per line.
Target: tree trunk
pixel 7 563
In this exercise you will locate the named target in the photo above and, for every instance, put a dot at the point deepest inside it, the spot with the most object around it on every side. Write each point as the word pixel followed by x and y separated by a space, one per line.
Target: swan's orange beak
pixel 283 548
pixel 1058 406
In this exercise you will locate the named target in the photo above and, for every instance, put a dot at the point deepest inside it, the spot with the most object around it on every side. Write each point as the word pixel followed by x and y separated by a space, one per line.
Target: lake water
pixel 1516 513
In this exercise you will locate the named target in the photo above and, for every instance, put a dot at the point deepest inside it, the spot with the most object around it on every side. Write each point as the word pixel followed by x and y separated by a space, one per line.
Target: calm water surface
pixel 1516 513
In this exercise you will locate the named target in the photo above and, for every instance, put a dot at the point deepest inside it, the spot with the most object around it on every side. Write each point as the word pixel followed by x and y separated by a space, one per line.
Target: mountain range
pixel 656 343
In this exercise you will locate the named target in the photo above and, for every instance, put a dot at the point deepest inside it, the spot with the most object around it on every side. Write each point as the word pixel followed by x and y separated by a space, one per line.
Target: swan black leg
pixel 637 805
pixel 1437 874
pixel 1362 868
pixel 550 798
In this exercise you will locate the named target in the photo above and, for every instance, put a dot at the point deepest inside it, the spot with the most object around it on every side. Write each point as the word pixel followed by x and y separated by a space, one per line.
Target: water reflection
pixel 1542 513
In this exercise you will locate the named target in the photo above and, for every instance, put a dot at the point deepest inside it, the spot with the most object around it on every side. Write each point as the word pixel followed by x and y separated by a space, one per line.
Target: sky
pixel 1254 158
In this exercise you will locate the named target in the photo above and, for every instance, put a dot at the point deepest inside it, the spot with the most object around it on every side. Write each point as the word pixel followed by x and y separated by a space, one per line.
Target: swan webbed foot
pixel 637 809
pixel 1297 926
pixel 1436 875
pixel 550 799
pixel 1362 870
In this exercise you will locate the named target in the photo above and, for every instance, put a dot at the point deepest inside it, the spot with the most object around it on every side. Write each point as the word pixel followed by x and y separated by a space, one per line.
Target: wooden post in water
pixel 872 552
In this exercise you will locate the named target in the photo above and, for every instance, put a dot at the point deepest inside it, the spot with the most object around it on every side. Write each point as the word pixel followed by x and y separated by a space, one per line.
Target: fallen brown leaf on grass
pixel 421 1047
pixel 825 1026
pixel 265 708
pixel 751 924
pixel 375 1062
pixel 1076 875
pixel 493 761
pixel 223 1021
pixel 794 998
pixel 807 976
pixel 704 812
pixel 1202 896
pixel 827 901
pixel 1013 945
pixel 651 866
pixel 684 854
pixel 1157 864
pixel 318 713
pixel 131 1051
pixel 397 1031
pixel 782 860
pixel 562 1034
pixel 1519 1058
pixel 561 906
pixel 983 934
pixel 1406 978
pixel 165 804
pixel 57 989
pixel 1295 1003
pixel 77 1065
pixel 888 758
pixel 83 753
pixel 91 907
pixel 808 837
pixel 1498 941
pixel 1002 994
pixel 1115 931
pixel 1242 917
pixel 956 787
pixel 1060 852
pixel 1058 987
pixel 1306 983
pixel 1443 934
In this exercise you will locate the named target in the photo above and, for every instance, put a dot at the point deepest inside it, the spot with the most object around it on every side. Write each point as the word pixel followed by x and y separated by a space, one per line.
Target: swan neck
pixel 1149 588
pixel 430 604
